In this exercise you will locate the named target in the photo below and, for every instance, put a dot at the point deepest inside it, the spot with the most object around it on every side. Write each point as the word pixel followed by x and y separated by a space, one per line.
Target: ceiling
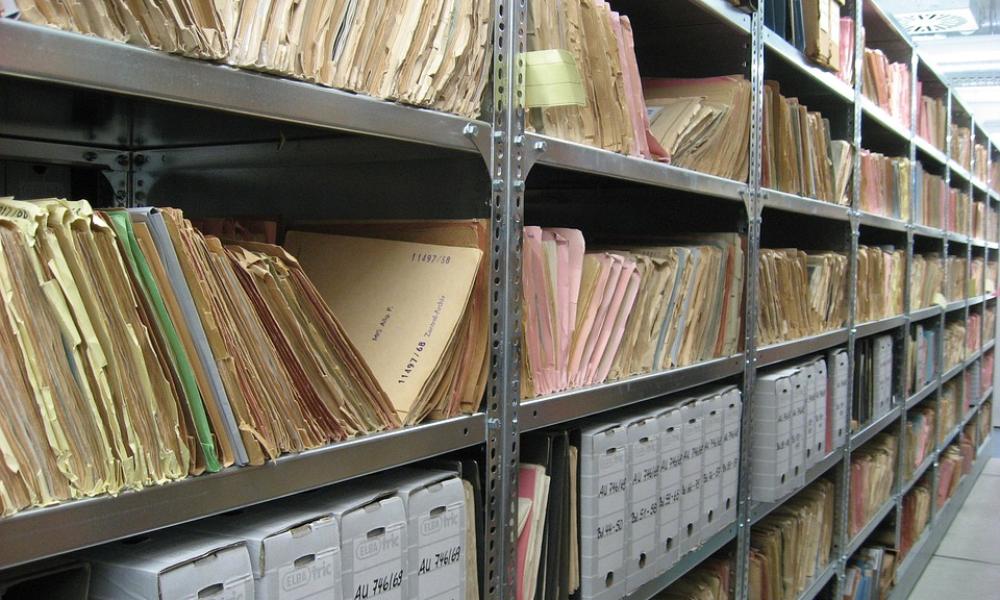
pixel 961 40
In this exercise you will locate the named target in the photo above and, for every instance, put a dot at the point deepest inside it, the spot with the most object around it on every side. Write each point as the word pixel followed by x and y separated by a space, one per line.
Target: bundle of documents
pixel 873 380
pixel 976 267
pixel 992 220
pixel 950 408
pixel 990 284
pixel 994 180
pixel 703 124
pixel 792 544
pixel 798 156
pixel 872 468
pixel 957 211
pixel 922 359
pixel 712 579
pixel 980 157
pixel 979 212
pixel 932 120
pixel 926 278
pixel 919 437
pixel 949 473
pixel 972 385
pixel 881 271
pixel 593 316
pixel 954 284
pixel 869 574
pixel 985 420
pixel 916 515
pixel 800 294
pixel 793 414
pixel 416 307
pixel 989 321
pixel 846 70
pixel 961 146
pixel 608 505
pixel 887 84
pixel 433 54
pixel 821 20
pixel 929 198
pixel 610 113
pixel 886 185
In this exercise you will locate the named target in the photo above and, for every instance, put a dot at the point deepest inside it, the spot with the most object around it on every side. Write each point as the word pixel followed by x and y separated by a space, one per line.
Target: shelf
pixel 803 206
pixel 955 431
pixel 870 430
pixel 687 562
pixel 583 402
pixel 979 299
pixel 924 392
pixel 955 305
pixel 826 80
pixel 884 119
pixel 759 510
pixel 882 222
pixel 971 359
pixel 924 313
pixel 928 149
pixel 988 345
pixel 956 238
pixel 873 327
pixel 82 523
pixel 919 472
pixel 977 242
pixel 725 11
pixel 819 581
pixel 55 56
pixel 986 395
pixel 979 184
pixel 866 532
pixel 782 351
pixel 916 560
pixel 927 231
pixel 957 169
pixel 563 154
pixel 950 373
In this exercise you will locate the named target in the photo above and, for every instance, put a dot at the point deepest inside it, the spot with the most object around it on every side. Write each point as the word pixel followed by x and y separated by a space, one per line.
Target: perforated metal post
pixel 503 390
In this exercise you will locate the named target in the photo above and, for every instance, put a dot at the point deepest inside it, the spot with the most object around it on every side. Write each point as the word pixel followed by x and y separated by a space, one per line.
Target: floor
pixel 966 566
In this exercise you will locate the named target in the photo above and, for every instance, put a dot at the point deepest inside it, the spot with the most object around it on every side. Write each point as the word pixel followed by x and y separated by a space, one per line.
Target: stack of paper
pixel 793 543
pixel 926 279
pixel 799 157
pixel 961 146
pixel 887 84
pixel 846 70
pixel 611 115
pixel 989 320
pixel 955 282
pixel 992 218
pixel 432 54
pixel 973 325
pixel 932 120
pixel 593 316
pixel 949 408
pixel 873 380
pixel 922 359
pixel 414 310
pixel 886 185
pixel 821 19
pixel 800 294
pixel 957 211
pixel 916 515
pixel 985 420
pixel 919 437
pixel 703 124
pixel 949 473
pixel 980 156
pixel 929 198
pixel 991 276
pixel 881 271
pixel 979 217
pixel 710 580
pixel 872 468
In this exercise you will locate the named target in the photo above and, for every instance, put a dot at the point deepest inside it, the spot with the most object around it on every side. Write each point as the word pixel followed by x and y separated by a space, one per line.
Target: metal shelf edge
pixel 67 58
pixel 927 231
pixel 950 373
pixel 918 473
pixel 790 54
pixel 872 327
pixel 778 200
pixel 881 221
pixel 924 392
pixel 88 522
pixel 819 581
pixel 651 588
pixel 775 353
pixel 583 402
pixel 870 527
pixel 759 510
pixel 924 313
pixel 866 433
pixel 580 157
pixel 930 150
pixel 884 119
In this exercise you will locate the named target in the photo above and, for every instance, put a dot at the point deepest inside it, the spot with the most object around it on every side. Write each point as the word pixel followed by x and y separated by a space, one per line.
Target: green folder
pixel 122 223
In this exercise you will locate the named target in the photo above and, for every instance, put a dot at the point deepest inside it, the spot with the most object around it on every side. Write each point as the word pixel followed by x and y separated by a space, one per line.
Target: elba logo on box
pixel 446 520
pixel 374 546
pixel 303 576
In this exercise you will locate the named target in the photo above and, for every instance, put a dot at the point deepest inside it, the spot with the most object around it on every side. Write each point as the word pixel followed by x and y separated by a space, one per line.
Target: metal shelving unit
pixel 171 117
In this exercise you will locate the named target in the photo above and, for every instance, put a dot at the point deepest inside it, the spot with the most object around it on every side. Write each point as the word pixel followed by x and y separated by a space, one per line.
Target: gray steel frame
pixel 509 152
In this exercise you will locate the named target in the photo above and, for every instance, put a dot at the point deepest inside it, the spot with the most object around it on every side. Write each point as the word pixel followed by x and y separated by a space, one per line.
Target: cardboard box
pixel 294 552
pixel 174 564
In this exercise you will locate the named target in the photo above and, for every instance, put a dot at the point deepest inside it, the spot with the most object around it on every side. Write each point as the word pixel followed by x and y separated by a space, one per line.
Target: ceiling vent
pixel 958 20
